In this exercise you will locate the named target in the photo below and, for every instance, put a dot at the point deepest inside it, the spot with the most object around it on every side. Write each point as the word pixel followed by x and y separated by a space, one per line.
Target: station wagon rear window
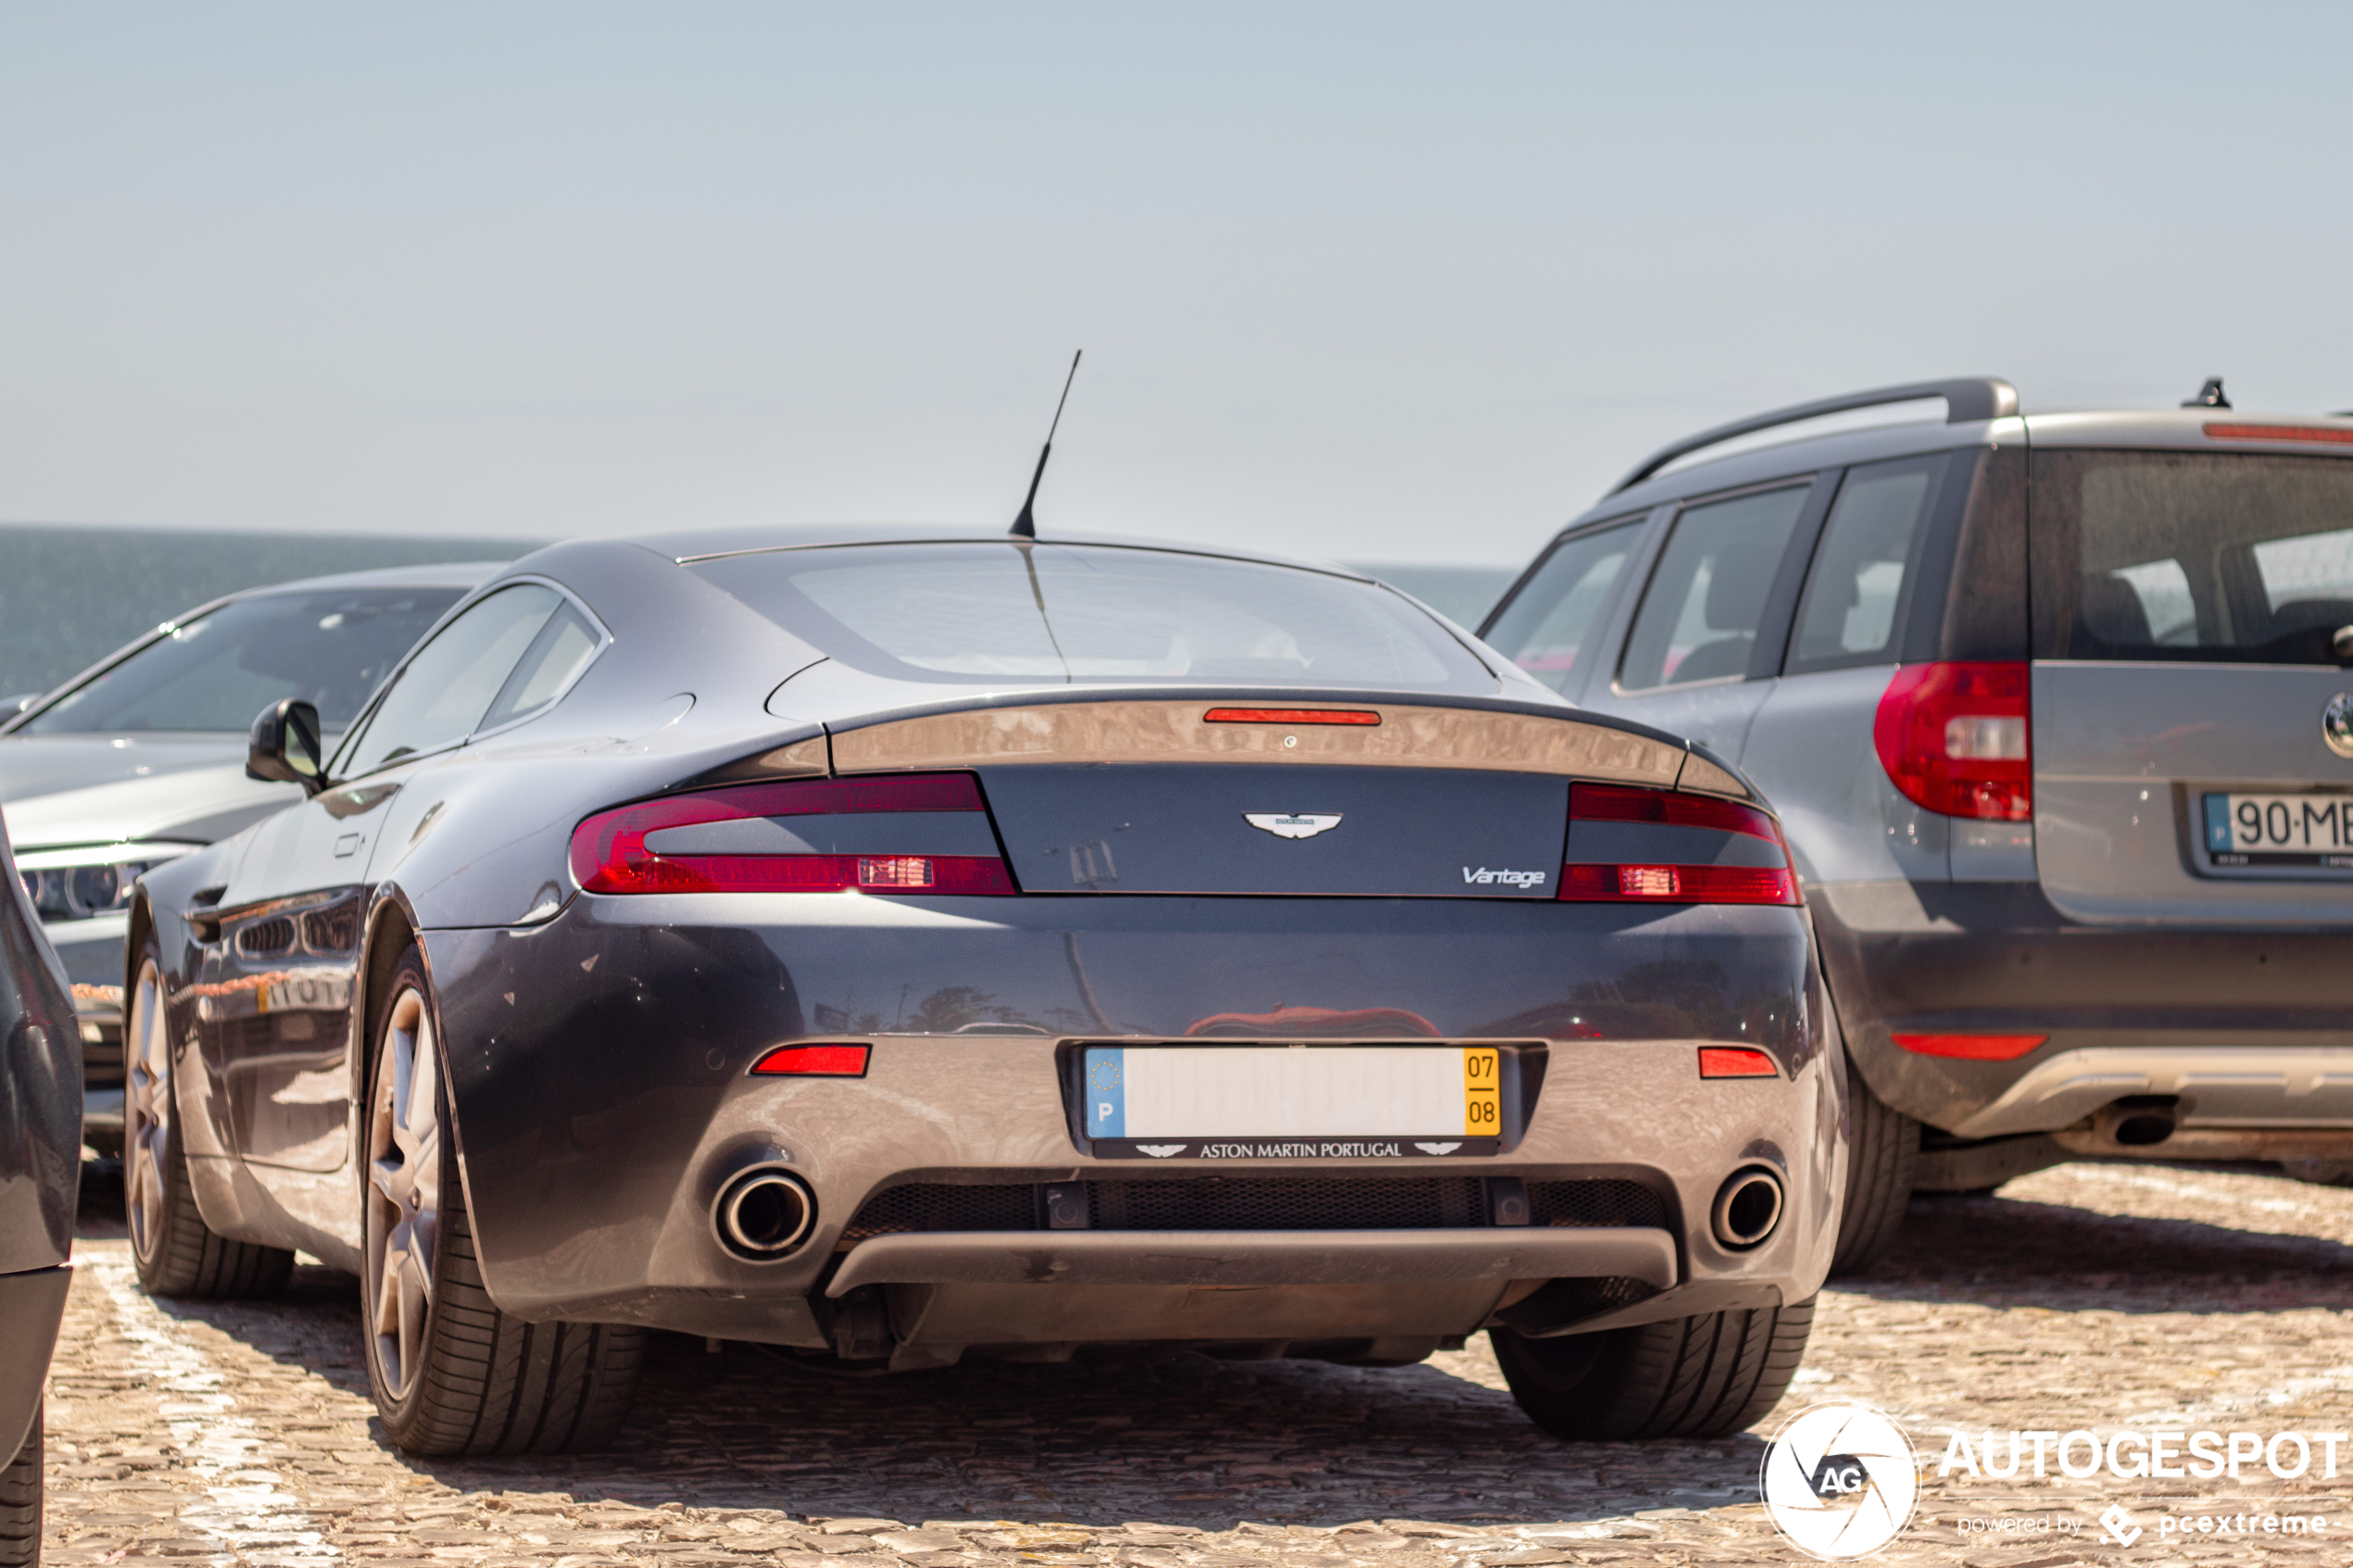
pixel 985 611
pixel 2215 558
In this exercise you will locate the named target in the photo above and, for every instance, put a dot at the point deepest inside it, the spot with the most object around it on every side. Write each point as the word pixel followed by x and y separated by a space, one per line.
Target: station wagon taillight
pixel 610 852
pixel 1953 738
pixel 1675 876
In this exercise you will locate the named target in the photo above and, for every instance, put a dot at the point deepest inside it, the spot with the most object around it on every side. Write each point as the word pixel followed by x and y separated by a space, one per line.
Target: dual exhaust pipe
pixel 763 1213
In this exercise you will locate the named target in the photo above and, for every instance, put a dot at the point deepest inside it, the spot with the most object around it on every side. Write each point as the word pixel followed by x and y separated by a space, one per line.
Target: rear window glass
pixel 987 612
pixel 2213 557
pixel 218 671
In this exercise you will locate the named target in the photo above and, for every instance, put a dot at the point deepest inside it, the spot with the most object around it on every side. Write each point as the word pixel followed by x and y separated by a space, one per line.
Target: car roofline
pixel 690 548
pixel 1968 400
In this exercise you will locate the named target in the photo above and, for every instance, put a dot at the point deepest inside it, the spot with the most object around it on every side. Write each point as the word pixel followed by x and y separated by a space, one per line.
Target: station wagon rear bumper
pixel 2247 1027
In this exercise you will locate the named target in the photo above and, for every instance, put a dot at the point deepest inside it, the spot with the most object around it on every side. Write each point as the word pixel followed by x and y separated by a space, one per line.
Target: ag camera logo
pixel 1840 1481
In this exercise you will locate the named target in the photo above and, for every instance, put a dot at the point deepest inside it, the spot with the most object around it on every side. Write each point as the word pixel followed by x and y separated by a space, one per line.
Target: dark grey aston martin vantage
pixel 892 943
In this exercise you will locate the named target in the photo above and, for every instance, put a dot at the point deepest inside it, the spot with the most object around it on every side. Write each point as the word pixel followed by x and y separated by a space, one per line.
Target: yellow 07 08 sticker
pixel 1482 1092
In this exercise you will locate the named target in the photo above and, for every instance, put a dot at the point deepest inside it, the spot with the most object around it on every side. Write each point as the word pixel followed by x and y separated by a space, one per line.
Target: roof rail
pixel 1967 401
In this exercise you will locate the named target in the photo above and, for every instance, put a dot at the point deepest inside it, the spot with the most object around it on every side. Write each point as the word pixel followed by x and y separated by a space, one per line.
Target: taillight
pixel 1735 1062
pixel 1675 875
pixel 1952 737
pixel 609 852
pixel 1615 803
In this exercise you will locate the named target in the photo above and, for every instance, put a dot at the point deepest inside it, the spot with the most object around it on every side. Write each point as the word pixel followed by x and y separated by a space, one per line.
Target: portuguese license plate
pixel 2307 829
pixel 1282 1102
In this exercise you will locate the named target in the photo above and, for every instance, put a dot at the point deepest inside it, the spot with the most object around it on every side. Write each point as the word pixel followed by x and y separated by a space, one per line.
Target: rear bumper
pixel 2249 1027
pixel 599 1075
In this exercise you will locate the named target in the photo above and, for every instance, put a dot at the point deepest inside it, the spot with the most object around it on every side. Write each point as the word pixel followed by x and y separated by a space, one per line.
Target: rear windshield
pixel 218 671
pixel 987 611
pixel 2216 558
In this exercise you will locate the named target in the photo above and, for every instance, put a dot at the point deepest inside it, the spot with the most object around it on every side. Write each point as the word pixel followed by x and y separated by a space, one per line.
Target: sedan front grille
pixel 1261 1203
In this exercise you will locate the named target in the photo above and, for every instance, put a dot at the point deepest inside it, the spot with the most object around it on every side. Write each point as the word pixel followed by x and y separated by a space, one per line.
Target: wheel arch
pixel 392 927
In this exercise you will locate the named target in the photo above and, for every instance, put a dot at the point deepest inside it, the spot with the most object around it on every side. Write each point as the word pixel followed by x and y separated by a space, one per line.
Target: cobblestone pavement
pixel 2092 1296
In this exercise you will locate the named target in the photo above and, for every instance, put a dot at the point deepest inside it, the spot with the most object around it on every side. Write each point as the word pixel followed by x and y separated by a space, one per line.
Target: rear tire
pixel 20 1501
pixel 450 1373
pixel 175 1251
pixel 1884 1147
pixel 1707 1376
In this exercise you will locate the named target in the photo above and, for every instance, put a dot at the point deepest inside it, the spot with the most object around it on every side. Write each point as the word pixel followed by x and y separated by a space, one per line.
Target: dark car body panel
pixel 1177 828
pixel 39 1151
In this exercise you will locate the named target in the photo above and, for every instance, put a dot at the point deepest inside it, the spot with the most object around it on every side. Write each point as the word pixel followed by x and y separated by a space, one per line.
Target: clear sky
pixel 1376 282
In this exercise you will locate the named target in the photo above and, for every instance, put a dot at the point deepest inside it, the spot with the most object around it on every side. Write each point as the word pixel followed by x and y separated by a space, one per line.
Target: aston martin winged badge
pixel 1291 825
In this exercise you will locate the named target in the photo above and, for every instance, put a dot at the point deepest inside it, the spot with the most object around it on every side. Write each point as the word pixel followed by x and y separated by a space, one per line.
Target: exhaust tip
pixel 2139 1120
pixel 1748 1206
pixel 764 1213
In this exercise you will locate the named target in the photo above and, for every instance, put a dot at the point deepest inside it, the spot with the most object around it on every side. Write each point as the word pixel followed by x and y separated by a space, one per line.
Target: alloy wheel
pixel 147 1112
pixel 403 1190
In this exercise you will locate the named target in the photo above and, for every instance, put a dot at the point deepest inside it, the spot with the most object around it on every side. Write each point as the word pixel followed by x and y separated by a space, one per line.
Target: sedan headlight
pixel 92 880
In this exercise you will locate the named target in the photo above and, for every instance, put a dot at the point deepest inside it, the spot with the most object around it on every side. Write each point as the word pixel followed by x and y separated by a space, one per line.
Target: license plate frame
pixel 2305 831
pixel 1157 1073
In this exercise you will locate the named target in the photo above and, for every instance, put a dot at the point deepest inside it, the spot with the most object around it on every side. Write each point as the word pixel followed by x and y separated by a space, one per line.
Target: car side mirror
pixel 283 748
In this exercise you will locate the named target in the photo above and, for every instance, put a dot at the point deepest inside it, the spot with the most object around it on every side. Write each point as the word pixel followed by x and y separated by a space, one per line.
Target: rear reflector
pixel 1953 738
pixel 1289 716
pixel 1613 803
pixel 1971 1047
pixel 1677 885
pixel 813 1062
pixel 1735 1062
pixel 609 855
pixel 2323 433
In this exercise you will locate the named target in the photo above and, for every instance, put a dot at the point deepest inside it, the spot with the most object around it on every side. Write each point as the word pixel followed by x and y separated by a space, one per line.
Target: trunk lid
pixel 2184 605
pixel 1174 797
pixel 1268 828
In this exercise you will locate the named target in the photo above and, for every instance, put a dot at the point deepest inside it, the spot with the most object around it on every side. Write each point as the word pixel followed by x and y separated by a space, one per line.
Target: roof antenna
pixel 2209 395
pixel 1026 525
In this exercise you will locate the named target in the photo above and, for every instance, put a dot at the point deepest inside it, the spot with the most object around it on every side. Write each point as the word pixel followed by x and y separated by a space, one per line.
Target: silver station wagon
pixel 2056 712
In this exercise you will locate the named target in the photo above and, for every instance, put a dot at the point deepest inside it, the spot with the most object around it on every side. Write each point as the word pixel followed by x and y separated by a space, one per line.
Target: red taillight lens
pixel 1735 1062
pixel 813 1062
pixel 1289 716
pixel 1971 1047
pixel 1631 882
pixel 1677 885
pixel 1613 803
pixel 610 853
pixel 1953 738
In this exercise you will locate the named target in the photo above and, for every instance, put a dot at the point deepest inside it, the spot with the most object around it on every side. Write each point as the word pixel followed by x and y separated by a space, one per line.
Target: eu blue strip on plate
pixel 1106 1092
